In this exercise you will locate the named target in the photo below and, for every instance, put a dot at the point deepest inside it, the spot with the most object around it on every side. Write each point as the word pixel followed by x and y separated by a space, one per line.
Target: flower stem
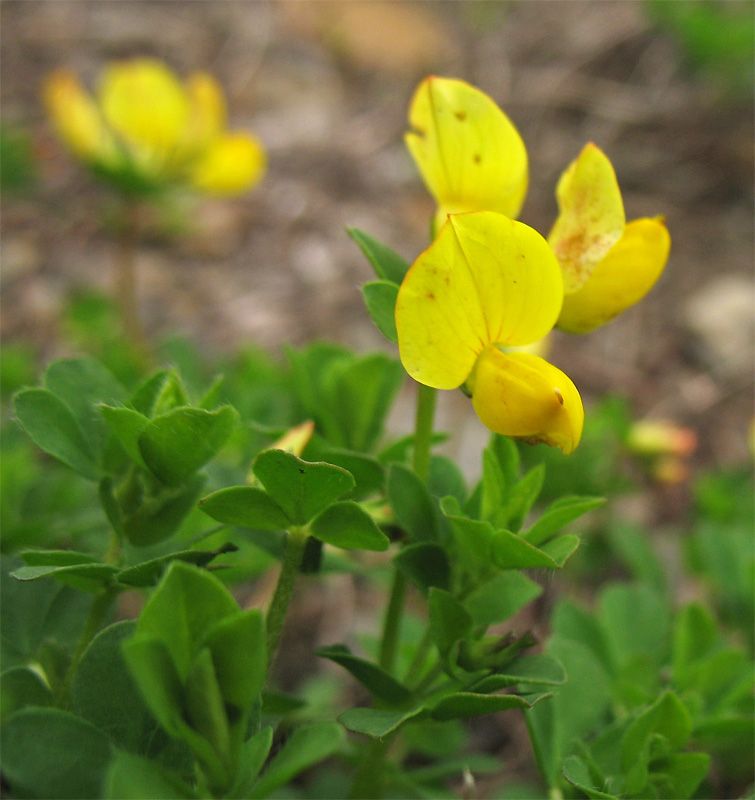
pixel 423 438
pixel 125 281
pixel 392 622
pixel 423 430
pixel 296 540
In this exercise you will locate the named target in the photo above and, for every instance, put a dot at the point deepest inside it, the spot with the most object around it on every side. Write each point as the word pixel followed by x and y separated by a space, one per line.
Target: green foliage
pixel 718 38
pixel 629 699
pixel 18 172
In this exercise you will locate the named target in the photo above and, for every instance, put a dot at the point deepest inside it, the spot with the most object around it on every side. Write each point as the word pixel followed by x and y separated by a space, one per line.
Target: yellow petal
pixel 207 108
pixel 485 279
pixel 470 155
pixel 76 118
pixel 622 278
pixel 525 397
pixel 144 102
pixel 591 216
pixel 232 164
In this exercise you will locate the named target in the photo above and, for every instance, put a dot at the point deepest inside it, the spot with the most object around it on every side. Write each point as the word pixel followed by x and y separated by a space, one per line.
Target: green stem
pixel 392 622
pixel 276 615
pixel 125 281
pixel 423 430
pixel 100 606
pixel 420 656
pixel 370 776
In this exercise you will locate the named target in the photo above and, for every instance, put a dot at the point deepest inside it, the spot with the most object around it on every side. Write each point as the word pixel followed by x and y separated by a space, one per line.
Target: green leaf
pixel 21 687
pixel 359 393
pixel 411 503
pixel 302 489
pixel 538 668
pixel 380 299
pixel 472 538
pixel 57 558
pixel 247 506
pixel 239 654
pixel 679 775
pixel 500 469
pixel 576 708
pixel 87 577
pixel 184 607
pixel 32 613
pixel 512 552
pixel 635 620
pixel 695 636
pixel 388 265
pixel 212 395
pixel 104 693
pixel 52 753
pixel 445 478
pixel 577 774
pixel 82 384
pixel 449 620
pixel 501 597
pixel 159 517
pixel 349 526
pixel 53 428
pixel 373 677
pixel 148 573
pixel 667 717
pixel 636 549
pixel 254 753
pixel 306 747
pixel 561 549
pixel 367 471
pixel 425 564
pixel 461 705
pixel 146 396
pixel 127 426
pixel 376 722
pixel 154 672
pixel 559 513
pixel 133 778
pixel 522 496
pixel 203 704
pixel 176 444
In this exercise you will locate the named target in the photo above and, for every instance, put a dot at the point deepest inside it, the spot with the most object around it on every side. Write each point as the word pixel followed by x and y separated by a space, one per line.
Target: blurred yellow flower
pixel 145 129
pixel 485 284
pixel 468 152
pixel 608 264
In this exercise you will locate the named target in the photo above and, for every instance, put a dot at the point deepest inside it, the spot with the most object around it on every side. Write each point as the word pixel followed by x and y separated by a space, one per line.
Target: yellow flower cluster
pixel 145 129
pixel 488 283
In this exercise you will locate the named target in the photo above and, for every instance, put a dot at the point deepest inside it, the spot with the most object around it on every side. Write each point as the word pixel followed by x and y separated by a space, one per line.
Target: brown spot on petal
pixel 460 115
pixel 559 395
pixel 477 158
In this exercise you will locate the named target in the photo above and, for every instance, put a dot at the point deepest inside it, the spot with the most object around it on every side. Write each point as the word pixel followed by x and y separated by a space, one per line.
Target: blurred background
pixel 664 88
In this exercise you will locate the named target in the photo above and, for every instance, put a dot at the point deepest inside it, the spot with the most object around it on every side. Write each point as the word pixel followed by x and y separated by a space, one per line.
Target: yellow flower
pixel 470 155
pixel 145 129
pixel 487 283
pixel 608 264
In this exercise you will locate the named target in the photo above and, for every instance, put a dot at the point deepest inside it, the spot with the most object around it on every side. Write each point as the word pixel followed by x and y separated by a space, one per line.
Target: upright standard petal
pixel 144 102
pixel 621 279
pixel 230 165
pixel 485 279
pixel 591 216
pixel 525 397
pixel 77 119
pixel 470 155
